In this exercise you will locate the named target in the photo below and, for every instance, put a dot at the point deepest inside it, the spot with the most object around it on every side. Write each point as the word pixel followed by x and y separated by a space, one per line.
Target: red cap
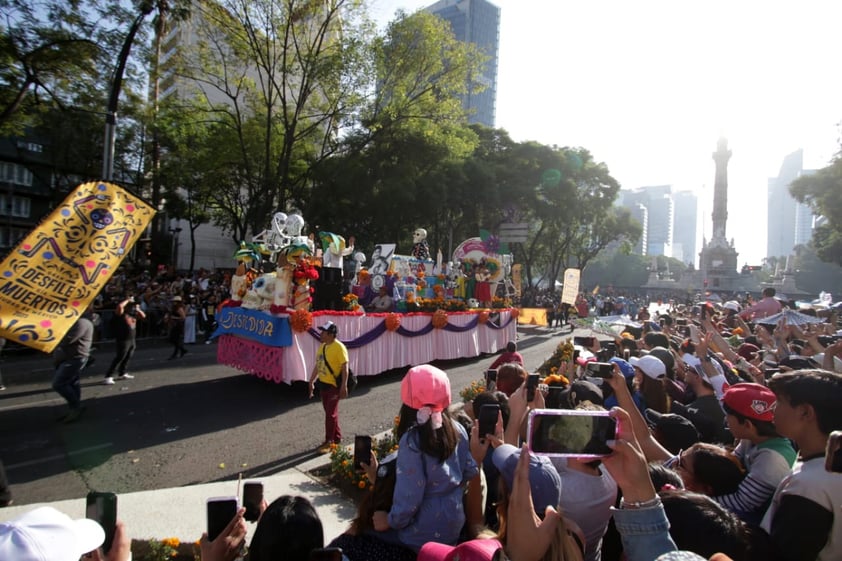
pixel 751 400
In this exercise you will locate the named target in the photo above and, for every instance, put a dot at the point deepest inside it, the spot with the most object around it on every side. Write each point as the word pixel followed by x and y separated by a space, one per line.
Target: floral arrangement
pixel 301 320
pixel 351 302
pixel 393 321
pixel 167 549
pixel 304 272
pixel 497 302
pixel 439 319
pixel 468 393
pixel 559 360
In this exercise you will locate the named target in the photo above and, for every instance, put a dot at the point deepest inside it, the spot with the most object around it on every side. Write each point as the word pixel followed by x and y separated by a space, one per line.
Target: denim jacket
pixel 644 531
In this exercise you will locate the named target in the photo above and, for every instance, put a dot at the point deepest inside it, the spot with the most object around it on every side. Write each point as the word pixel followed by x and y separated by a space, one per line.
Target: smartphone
pixel 769 372
pixel 531 386
pixel 626 354
pixel 488 414
pixel 570 433
pixel 362 451
pixel 221 510
pixel 326 554
pixel 102 507
pixel 490 376
pixel 684 330
pixel 586 342
pixel 681 321
pixel 252 499
pixel 601 369
pixel 833 452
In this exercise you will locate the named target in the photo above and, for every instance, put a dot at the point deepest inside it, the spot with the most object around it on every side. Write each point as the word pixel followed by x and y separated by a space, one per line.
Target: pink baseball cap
pixel 472 550
pixel 426 386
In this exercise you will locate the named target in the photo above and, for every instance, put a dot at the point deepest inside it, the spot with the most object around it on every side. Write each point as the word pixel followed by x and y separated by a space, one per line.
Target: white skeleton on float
pixel 276 292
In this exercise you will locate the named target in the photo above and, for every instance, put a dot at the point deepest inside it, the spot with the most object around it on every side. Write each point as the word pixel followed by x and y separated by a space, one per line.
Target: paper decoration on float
pixel 51 277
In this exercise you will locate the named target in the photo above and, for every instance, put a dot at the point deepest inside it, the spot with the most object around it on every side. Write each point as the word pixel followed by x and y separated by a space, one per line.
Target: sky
pixel 649 86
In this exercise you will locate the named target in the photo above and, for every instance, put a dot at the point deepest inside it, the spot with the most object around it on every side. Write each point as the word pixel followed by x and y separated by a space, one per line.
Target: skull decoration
pixel 473 303
pixel 419 235
pixel 294 225
pixel 101 218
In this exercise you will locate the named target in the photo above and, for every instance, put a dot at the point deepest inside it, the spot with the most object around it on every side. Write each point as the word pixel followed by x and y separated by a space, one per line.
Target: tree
pixel 280 78
pixel 822 191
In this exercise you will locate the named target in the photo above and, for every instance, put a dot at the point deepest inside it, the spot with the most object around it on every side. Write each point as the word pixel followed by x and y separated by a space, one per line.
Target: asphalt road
pixel 186 421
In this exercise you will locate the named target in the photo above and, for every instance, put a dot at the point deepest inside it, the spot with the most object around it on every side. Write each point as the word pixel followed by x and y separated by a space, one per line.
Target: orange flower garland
pixel 393 321
pixel 439 319
pixel 483 316
pixel 301 320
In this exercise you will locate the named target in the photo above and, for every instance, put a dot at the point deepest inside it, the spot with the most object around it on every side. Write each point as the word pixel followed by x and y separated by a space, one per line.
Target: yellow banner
pixel 52 276
pixel 532 316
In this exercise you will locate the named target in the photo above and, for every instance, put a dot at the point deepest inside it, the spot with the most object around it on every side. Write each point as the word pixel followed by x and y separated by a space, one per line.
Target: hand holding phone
pixel 362 451
pixel 221 511
pixel 601 369
pixel 531 386
pixel 570 433
pixel 102 507
pixel 488 415
pixel 490 377
pixel 252 500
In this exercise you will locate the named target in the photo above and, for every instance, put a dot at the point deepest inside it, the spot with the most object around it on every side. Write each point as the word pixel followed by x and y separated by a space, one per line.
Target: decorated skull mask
pixel 419 235
pixel 473 303
pixel 101 218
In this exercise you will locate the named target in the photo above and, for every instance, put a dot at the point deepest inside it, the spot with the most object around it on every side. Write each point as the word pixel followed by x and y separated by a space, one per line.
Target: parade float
pixel 269 327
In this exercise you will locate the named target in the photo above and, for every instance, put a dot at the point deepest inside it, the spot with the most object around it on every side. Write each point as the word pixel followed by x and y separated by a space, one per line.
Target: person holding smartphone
pixel 331 372
pixel 125 330
pixel 46 533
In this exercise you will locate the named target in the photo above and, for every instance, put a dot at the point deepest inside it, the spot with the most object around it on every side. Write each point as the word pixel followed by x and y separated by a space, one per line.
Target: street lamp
pixel 146 8
pixel 174 232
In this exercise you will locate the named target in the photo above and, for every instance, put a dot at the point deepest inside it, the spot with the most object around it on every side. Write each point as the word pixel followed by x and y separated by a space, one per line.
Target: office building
pixel 656 205
pixel 789 223
pixel 685 224
pixel 477 22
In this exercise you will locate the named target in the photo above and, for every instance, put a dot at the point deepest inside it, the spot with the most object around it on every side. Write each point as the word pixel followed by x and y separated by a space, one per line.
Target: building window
pixel 14 206
pixel 15 174
pixel 11 236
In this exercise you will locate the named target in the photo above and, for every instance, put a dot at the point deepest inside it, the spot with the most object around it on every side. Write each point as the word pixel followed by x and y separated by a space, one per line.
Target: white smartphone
pixel 570 433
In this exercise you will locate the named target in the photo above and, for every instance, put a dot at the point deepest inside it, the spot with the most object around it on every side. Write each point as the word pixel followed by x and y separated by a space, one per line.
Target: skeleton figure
pixel 420 249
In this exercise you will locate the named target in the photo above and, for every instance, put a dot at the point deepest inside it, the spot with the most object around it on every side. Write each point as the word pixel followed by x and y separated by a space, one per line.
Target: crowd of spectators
pixel 725 448
pixel 201 291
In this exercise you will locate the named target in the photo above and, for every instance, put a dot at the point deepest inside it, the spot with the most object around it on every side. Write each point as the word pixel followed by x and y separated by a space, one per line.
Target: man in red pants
pixel 331 372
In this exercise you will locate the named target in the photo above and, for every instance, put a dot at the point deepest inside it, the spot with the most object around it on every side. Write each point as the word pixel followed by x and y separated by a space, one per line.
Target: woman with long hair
pixel 433 467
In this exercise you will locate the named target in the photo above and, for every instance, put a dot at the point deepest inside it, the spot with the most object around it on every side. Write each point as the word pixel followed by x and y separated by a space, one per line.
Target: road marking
pixel 58 456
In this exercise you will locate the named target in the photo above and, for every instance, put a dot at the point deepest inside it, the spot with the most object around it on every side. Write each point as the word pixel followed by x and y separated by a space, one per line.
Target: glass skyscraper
pixel 477 22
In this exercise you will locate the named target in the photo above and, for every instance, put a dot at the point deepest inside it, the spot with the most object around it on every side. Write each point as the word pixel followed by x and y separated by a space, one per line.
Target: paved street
pixel 185 421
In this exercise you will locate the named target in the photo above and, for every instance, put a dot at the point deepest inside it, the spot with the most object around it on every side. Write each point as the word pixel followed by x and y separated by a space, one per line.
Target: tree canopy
pixel 822 192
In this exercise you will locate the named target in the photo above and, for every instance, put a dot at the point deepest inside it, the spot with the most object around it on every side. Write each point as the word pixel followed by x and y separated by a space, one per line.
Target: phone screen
pixel 221 511
pixel 570 433
pixel 252 499
pixel 833 452
pixel 586 342
pixel 490 376
pixel 488 414
pixel 362 451
pixel 531 386
pixel 601 369
pixel 326 554
pixel 102 507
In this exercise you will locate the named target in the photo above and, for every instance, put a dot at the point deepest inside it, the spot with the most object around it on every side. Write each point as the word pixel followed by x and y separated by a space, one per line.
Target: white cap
pixel 652 366
pixel 45 534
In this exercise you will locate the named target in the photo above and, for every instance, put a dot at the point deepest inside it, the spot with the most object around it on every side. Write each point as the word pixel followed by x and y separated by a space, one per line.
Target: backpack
pixel 352 378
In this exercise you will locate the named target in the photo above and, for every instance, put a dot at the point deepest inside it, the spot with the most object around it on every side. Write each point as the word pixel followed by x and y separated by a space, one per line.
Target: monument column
pixel 720 193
